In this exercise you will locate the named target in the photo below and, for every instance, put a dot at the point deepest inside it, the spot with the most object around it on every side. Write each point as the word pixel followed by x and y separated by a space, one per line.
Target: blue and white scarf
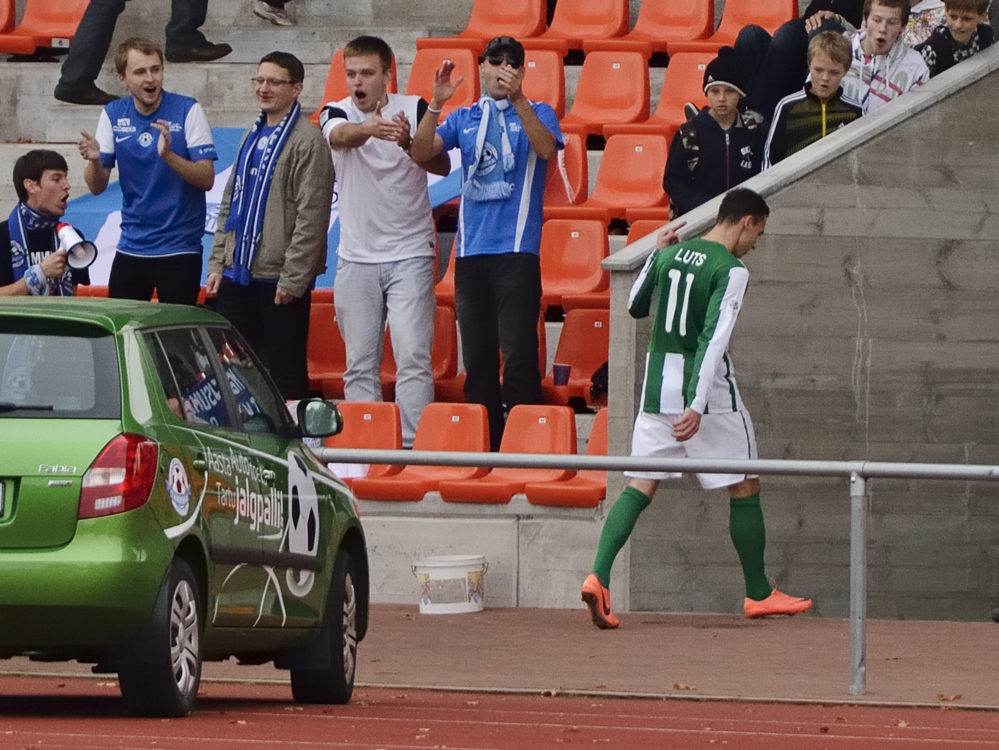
pixel 492 149
pixel 24 219
pixel 246 211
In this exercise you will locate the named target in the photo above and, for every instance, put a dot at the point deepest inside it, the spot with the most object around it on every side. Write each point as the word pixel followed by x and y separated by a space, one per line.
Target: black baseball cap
pixel 505 45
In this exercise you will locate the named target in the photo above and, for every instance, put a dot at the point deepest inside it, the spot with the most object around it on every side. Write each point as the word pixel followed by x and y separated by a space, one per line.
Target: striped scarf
pixel 246 211
pixel 487 177
pixel 24 219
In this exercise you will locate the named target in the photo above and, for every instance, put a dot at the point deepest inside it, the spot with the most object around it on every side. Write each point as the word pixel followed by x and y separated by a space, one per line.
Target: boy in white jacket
pixel 883 66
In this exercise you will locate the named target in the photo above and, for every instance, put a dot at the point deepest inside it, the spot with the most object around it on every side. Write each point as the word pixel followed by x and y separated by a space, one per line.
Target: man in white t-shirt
pixel 386 255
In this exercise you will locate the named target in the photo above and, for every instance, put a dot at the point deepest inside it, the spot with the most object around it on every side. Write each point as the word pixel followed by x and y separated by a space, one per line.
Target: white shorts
pixel 726 435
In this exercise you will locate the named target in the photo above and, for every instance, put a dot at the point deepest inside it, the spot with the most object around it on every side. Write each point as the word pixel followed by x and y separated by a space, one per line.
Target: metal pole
pixel 858 584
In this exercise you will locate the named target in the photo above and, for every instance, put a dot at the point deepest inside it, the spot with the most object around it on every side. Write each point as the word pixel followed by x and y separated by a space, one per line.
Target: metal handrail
pixel 858 472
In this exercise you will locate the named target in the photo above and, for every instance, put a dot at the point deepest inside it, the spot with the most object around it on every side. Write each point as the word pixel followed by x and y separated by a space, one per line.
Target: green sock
pixel 617 528
pixel 749 535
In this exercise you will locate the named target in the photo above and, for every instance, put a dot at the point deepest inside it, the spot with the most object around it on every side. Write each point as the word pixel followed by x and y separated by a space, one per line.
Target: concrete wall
pixel 871 331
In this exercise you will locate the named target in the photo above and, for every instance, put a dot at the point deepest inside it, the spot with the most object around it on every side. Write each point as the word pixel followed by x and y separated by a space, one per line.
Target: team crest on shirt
pixel 146 140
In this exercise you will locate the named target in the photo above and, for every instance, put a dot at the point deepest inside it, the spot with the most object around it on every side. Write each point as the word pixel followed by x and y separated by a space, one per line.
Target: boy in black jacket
pixel 720 147
pixel 964 34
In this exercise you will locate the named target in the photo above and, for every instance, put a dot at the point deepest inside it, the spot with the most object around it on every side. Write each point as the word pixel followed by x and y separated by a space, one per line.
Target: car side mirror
pixel 319 418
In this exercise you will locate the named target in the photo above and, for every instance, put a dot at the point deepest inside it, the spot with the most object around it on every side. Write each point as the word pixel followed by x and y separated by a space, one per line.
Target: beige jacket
pixel 296 220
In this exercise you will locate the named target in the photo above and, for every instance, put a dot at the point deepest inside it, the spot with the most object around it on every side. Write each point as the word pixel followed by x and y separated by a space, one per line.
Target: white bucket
pixel 450 584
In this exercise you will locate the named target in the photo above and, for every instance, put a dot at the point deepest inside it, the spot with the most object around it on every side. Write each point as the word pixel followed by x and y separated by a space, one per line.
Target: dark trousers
pixel 176 279
pixel 279 334
pixel 498 302
pixel 93 38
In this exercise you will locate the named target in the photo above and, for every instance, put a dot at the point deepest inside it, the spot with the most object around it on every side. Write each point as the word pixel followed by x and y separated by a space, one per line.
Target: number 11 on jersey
pixel 674 293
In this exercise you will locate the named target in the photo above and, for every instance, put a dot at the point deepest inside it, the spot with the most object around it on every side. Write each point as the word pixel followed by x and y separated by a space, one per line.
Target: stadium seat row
pixel 668 26
pixel 45 24
pixel 464 427
pixel 583 345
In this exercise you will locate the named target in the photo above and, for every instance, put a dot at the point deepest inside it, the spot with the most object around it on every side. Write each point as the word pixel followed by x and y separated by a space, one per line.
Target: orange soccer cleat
pixel 776 604
pixel 597 598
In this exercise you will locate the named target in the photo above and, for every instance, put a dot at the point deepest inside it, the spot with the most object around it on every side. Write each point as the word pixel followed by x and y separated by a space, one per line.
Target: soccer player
pixel 690 403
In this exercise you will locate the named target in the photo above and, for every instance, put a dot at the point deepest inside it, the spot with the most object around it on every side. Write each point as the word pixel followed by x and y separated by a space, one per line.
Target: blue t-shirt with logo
pixel 512 225
pixel 161 213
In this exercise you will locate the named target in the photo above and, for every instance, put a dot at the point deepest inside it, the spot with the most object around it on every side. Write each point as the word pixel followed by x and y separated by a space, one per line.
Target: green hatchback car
pixel 158 507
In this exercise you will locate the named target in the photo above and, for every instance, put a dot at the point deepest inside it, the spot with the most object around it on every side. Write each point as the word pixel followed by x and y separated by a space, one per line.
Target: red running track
pixel 52 714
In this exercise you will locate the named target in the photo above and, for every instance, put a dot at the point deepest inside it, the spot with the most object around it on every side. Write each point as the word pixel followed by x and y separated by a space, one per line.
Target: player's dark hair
pixel 139 44
pixel 741 202
pixel 286 60
pixel 369 45
pixel 32 165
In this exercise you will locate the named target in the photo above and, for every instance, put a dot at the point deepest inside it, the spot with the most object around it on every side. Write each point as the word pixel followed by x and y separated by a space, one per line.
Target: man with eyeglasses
pixel 271 239
pixel 385 261
pixel 163 147
pixel 505 141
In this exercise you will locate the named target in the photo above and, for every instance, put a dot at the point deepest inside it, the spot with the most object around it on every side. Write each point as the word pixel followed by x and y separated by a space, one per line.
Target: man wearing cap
pixel 505 141
pixel 720 147
pixel 31 262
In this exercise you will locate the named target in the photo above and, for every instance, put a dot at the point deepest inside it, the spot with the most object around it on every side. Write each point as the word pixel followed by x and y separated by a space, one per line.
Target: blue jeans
pixel 498 301
pixel 403 291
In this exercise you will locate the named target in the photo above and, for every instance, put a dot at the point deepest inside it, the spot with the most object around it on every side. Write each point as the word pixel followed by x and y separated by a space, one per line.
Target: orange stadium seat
pixel 326 355
pixel 683 82
pixel 46 24
pixel 544 78
pixel 583 346
pixel 429 59
pixel 442 427
pixel 587 487
pixel 737 14
pixel 322 296
pixel 375 425
pixel 631 175
pixel 7 16
pixel 601 300
pixel 336 84
pixel 661 22
pixel 578 20
pixel 529 429
pixel 571 253
pixel 571 189
pixel 444 289
pixel 90 291
pixel 517 18
pixel 613 88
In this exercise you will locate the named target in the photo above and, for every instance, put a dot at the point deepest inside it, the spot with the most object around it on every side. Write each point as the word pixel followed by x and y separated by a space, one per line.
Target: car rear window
pixel 47 376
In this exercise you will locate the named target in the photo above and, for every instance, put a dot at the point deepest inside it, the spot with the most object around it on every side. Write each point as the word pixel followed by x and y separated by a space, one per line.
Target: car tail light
pixel 120 478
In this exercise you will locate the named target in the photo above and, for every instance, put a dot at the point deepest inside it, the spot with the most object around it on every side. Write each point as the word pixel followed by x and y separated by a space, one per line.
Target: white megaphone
pixel 80 253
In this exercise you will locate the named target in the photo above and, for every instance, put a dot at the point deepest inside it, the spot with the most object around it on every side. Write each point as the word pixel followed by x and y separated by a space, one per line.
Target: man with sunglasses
pixel 505 141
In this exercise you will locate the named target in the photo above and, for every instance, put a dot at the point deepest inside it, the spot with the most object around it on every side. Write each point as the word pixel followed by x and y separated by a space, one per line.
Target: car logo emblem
pixel 178 487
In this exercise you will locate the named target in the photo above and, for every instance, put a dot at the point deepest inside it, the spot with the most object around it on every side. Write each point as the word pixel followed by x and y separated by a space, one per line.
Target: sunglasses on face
pixel 500 59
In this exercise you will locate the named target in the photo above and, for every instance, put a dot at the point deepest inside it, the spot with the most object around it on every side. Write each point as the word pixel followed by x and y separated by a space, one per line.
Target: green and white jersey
pixel 700 290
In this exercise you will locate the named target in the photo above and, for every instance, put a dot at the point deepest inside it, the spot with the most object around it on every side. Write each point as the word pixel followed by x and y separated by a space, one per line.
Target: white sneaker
pixel 277 16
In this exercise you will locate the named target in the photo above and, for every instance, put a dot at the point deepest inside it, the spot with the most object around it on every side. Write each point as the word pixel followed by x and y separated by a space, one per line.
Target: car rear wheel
pixel 335 683
pixel 168 685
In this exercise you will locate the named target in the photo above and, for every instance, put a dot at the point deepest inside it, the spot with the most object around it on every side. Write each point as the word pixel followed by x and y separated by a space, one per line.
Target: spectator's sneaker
pixel 597 599
pixel 277 16
pixel 776 604
pixel 690 110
